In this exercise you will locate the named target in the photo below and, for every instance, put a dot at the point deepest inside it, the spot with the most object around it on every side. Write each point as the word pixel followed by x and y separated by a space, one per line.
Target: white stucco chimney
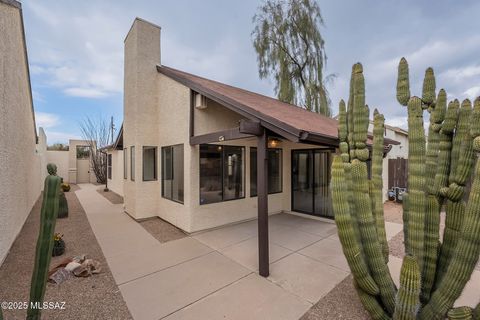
pixel 140 111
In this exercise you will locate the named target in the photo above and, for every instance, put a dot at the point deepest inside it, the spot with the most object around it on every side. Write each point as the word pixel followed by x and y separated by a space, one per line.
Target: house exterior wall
pixel 157 113
pixel 22 166
pixel 116 182
pixel 61 159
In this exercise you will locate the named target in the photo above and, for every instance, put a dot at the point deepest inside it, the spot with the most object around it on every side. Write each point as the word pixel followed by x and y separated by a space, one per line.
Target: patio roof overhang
pixel 264 116
pixel 273 115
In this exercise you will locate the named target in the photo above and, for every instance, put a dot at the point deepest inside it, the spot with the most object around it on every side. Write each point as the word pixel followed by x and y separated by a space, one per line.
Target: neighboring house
pixel 395 161
pixel 22 152
pixel 190 149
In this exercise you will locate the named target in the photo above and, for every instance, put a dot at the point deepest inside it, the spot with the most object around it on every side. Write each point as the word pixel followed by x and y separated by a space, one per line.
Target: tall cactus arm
pixel 368 232
pixel 460 313
pixel 403 84
pixel 416 180
pixel 377 168
pixel 463 128
pixel 455 212
pixel 455 208
pixel 428 92
pixel 432 226
pixel 464 257
pixel 350 125
pixel 371 304
pixel 350 244
pixel 343 131
pixel 445 146
pixel 436 118
pixel 360 121
pixel 408 297
pixel 43 252
pixel 433 205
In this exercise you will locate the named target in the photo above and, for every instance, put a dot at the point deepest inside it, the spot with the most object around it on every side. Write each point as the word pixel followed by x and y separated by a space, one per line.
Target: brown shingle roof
pixel 288 120
pixel 301 123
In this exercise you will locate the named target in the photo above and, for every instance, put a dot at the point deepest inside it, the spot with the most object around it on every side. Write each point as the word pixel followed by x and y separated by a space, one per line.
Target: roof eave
pixel 283 129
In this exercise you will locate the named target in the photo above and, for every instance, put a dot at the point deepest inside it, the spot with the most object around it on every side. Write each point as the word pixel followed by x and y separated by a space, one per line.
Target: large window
pixel 222 173
pixel 172 173
pixel 149 163
pixel 125 169
pixel 109 166
pixel 83 152
pixel 274 171
pixel 132 163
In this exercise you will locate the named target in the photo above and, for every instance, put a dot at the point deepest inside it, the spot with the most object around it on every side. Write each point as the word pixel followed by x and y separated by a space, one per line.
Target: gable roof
pixel 287 120
pixel 292 122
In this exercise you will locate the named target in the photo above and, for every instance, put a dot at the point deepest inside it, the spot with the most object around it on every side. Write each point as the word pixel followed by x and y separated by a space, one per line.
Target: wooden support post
pixel 262 195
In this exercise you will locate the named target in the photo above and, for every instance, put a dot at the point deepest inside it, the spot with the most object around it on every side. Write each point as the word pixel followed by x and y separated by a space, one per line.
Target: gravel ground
pixel 96 297
pixel 340 303
pixel 162 230
pixel 392 212
pixel 111 196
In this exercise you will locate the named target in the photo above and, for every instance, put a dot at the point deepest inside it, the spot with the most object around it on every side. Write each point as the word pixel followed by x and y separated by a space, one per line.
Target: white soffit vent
pixel 200 101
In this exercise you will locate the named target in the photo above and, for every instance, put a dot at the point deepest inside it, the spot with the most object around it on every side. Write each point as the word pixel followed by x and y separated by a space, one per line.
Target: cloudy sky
pixel 76 50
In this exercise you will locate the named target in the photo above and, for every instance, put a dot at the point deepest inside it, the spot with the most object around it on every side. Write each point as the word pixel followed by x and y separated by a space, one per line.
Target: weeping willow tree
pixel 291 49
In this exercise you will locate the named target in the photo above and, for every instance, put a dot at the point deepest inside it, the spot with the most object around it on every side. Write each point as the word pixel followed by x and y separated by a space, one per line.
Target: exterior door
pixel 311 181
pixel 83 170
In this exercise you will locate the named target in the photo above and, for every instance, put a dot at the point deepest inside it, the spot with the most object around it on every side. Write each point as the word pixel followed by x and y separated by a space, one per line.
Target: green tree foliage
pixel 291 49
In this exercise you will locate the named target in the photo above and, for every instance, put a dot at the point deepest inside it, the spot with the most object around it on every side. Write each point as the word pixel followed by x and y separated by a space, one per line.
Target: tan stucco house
pixel 187 150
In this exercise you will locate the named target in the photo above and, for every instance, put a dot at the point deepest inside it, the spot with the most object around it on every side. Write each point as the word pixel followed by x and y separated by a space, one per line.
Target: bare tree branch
pixel 96 133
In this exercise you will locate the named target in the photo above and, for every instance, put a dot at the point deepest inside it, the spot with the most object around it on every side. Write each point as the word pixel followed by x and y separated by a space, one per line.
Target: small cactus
pixel 43 252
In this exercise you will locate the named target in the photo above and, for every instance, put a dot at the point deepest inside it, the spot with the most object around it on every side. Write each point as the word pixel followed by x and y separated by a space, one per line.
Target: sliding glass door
pixel 310 182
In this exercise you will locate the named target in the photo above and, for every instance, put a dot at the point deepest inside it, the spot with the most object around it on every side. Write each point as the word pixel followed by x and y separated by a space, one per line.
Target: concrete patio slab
pixel 327 251
pixel 392 229
pixel 291 238
pixel 246 253
pixel 224 237
pixel 164 292
pixel 316 227
pixel 305 277
pixel 131 265
pixel 469 296
pixel 252 298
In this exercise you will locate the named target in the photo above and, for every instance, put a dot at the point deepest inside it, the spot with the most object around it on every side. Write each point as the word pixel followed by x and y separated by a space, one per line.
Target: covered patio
pixel 214 274
pixel 310 138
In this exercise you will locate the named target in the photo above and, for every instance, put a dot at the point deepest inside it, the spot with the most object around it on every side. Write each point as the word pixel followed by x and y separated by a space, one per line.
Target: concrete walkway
pixel 213 275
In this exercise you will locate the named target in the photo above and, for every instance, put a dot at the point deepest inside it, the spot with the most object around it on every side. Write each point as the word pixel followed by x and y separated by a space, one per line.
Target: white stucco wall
pixel 60 158
pixel 21 177
pixel 116 182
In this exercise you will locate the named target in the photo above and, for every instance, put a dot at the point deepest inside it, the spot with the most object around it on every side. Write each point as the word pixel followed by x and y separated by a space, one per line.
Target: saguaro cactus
pixel 433 273
pixel 43 252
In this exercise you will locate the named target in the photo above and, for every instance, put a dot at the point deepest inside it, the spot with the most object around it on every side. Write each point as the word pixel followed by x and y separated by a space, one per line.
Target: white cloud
pixel 82 54
pixel 473 92
pixel 46 120
pixel 59 136
pixel 85 92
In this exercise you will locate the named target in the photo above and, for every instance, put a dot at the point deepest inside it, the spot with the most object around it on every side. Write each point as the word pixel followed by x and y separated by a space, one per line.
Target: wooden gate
pixel 397 173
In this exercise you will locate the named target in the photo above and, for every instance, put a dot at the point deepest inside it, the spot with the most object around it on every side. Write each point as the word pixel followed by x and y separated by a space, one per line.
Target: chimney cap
pixel 141 20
